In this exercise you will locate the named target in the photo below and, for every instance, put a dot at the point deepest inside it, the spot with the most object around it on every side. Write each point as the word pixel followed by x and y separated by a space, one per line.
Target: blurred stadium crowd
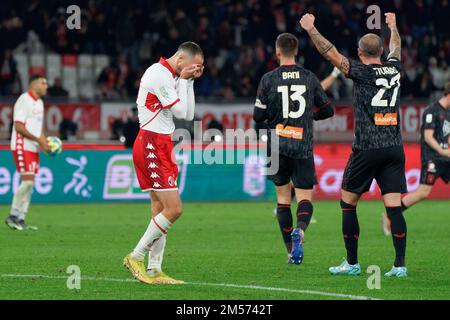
pixel 237 37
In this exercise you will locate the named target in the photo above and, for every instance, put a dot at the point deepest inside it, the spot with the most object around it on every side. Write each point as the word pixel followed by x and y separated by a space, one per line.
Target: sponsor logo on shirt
pixel 289 131
pixel 388 119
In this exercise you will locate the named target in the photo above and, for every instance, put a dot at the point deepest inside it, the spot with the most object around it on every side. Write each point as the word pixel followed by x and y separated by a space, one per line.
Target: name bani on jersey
pixel 290 75
pixel 385 70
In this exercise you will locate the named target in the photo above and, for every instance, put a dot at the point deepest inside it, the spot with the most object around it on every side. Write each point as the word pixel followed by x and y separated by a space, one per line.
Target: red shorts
pixel 27 162
pixel 152 158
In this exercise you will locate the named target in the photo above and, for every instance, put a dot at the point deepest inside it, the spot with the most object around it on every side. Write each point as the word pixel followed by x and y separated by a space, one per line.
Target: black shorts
pixel 432 170
pixel 301 172
pixel 386 166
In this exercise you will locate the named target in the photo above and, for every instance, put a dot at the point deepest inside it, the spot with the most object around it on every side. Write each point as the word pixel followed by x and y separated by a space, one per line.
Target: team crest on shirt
pixel 164 92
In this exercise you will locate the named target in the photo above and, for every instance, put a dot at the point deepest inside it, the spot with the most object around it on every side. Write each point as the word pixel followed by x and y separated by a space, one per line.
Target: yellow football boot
pixel 162 278
pixel 137 269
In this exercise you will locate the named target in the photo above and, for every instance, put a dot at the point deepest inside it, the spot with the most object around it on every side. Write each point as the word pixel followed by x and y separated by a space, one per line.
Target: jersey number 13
pixel 296 95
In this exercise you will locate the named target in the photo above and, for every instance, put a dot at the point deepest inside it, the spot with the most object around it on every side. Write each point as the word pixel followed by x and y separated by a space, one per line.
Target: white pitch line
pixel 228 285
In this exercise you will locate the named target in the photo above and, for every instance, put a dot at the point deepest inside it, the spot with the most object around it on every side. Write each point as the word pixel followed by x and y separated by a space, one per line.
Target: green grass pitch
pixel 236 244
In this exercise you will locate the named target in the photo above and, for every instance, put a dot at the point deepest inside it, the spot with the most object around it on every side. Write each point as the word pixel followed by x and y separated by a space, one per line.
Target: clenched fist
pixel 390 20
pixel 307 22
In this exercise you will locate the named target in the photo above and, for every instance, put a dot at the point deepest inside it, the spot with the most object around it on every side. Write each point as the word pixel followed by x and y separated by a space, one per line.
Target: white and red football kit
pixel 162 95
pixel 28 110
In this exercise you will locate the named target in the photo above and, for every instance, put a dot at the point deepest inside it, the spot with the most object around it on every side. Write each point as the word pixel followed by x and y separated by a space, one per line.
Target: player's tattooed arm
pixel 395 44
pixel 323 45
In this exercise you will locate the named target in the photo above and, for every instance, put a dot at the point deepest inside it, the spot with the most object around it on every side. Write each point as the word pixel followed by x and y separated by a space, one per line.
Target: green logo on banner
pixel 121 180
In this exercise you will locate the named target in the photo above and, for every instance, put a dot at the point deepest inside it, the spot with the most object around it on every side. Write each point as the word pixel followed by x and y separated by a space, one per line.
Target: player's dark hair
pixel 35 77
pixel 371 45
pixel 191 48
pixel 447 88
pixel 288 44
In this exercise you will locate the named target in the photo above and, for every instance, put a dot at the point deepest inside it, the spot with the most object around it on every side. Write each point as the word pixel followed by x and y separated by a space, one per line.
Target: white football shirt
pixel 157 94
pixel 30 111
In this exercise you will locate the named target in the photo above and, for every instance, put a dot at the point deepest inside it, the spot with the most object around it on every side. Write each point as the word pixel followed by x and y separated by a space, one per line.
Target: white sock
pixel 21 200
pixel 156 256
pixel 156 229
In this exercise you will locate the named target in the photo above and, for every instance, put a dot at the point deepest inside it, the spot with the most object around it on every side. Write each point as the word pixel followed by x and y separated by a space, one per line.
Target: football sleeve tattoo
pixel 329 51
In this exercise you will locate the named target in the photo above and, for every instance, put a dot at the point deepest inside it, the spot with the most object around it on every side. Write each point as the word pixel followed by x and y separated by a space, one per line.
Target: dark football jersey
pixel 435 117
pixel 288 94
pixel 377 95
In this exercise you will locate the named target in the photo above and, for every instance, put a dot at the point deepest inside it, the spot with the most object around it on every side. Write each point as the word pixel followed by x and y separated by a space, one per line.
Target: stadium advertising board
pixel 85 115
pixel 108 175
pixel 235 116
pixel 96 117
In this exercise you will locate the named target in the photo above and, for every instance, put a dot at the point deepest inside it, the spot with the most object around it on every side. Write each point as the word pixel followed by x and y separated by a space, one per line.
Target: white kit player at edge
pixel 27 137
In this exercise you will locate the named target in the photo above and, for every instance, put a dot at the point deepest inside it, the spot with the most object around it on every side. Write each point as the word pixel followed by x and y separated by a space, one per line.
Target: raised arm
pixel 328 81
pixel 395 44
pixel 325 47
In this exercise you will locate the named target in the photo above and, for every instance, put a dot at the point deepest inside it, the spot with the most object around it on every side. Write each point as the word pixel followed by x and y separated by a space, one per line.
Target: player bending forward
pixel 285 99
pixel 27 137
pixel 166 90
pixel 378 148
pixel 435 153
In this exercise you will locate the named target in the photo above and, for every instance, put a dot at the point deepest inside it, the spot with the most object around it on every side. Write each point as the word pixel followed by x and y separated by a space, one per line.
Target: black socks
pixel 350 230
pixel 284 216
pixel 304 214
pixel 398 229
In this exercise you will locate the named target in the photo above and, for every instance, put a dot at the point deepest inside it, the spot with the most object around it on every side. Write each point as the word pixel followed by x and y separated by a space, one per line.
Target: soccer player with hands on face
pixel 166 91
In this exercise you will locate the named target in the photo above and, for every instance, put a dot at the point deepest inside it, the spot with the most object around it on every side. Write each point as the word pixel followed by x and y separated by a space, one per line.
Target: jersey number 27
pixel 297 95
pixel 377 100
